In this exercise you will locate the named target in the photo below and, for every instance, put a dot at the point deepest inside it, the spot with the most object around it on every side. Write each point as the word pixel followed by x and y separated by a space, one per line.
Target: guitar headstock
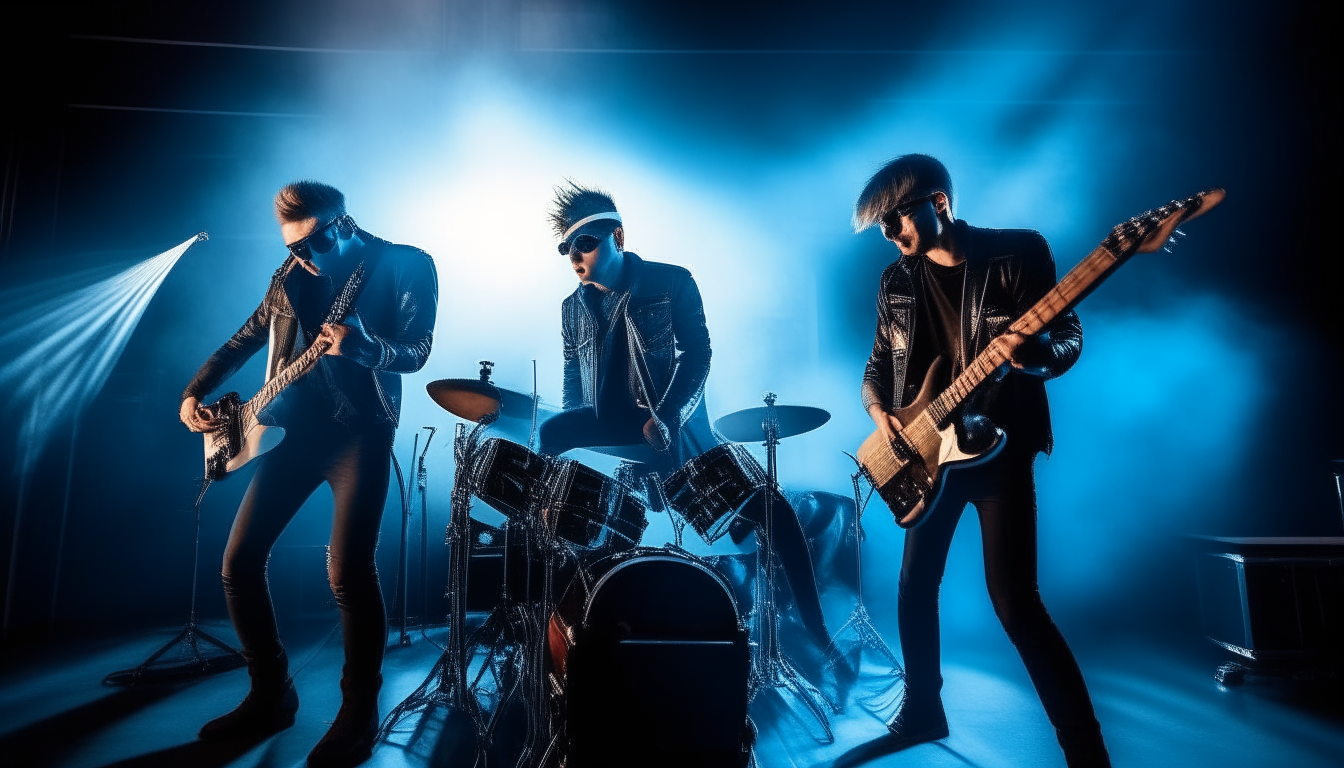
pixel 1151 230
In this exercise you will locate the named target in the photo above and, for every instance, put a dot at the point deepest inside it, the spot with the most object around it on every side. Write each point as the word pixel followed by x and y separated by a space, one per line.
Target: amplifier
pixel 1276 604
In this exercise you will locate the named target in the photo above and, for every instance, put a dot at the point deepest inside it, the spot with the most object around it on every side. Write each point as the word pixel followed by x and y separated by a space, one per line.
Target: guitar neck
pixel 305 362
pixel 1076 285
pixel 287 375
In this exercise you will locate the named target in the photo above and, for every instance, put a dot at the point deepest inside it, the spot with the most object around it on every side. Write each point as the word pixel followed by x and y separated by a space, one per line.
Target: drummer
pixel 636 357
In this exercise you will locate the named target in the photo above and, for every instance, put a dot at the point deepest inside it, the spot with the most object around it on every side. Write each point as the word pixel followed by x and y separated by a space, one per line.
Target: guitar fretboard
pixel 305 362
pixel 288 375
pixel 1075 286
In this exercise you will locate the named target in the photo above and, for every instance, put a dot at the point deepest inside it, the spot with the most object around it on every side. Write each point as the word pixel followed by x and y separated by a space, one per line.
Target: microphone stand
pixel 191 637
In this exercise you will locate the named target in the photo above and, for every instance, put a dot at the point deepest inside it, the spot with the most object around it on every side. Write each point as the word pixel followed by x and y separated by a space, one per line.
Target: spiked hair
pixel 574 202
pixel 908 177
pixel 308 199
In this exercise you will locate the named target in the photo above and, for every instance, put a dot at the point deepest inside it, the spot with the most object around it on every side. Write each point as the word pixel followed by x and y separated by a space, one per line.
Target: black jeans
pixel 355 463
pixel 1004 494
pixel 580 427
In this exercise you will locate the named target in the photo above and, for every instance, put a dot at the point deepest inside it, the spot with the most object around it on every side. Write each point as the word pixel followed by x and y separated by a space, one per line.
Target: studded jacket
pixel 669 351
pixel 1007 271
pixel 392 325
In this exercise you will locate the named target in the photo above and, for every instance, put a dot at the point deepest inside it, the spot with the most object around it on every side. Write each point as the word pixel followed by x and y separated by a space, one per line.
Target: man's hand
pixel 332 334
pixel 1011 344
pixel 887 424
pixel 197 418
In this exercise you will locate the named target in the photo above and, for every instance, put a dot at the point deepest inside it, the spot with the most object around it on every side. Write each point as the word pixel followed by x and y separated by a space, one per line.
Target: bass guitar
pixel 908 471
pixel 242 437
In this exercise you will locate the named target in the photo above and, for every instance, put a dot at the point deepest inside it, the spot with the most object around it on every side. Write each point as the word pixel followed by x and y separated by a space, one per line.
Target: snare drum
pixel 577 502
pixel 711 487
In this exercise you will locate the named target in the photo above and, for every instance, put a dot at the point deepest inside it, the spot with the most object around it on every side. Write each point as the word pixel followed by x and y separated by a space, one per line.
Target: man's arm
pixel 877 376
pixel 1054 350
pixel 224 363
pixel 408 347
pixel 692 339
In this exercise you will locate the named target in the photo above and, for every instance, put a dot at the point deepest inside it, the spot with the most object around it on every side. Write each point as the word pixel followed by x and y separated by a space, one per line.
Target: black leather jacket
pixel 1007 271
pixel 669 340
pixel 392 320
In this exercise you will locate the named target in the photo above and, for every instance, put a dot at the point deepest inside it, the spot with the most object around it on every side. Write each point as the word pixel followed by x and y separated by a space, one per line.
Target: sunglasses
pixel 893 217
pixel 580 244
pixel 320 241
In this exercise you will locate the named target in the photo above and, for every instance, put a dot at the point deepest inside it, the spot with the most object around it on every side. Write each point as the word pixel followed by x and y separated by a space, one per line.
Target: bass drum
pixel 654 663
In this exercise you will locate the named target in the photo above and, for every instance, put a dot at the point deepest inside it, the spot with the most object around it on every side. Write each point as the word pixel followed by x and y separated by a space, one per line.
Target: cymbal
pixel 745 426
pixel 470 399
pixel 473 400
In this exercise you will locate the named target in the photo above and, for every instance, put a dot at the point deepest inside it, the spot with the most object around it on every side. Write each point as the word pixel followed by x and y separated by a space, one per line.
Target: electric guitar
pixel 241 437
pixel 908 471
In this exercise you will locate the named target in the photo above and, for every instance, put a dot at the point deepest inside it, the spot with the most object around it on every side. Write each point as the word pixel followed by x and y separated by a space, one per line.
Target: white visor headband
pixel 595 217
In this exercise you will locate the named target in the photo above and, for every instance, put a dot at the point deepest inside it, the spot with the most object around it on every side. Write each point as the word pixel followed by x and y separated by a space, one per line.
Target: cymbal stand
pixel 772 670
pixel 403 560
pixel 447 683
pixel 859 621
pixel 192 637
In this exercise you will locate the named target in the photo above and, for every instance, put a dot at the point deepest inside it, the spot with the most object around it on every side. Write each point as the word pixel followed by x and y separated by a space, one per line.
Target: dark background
pixel 131 126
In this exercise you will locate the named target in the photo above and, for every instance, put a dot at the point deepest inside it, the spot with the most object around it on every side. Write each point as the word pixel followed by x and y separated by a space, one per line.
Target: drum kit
pixel 605 600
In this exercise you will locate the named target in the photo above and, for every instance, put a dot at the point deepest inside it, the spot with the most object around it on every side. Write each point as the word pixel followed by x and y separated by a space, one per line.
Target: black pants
pixel 580 427
pixel 1004 494
pixel 355 463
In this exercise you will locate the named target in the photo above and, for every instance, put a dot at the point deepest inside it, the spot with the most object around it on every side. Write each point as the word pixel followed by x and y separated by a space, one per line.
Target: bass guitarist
pixel 955 289
pixel 339 421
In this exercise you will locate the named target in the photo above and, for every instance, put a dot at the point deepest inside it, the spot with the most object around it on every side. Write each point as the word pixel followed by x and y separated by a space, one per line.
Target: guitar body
pixel 239 440
pixel 909 472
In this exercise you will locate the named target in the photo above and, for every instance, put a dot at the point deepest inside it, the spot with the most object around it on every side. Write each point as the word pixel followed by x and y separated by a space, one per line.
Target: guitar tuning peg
pixel 1173 241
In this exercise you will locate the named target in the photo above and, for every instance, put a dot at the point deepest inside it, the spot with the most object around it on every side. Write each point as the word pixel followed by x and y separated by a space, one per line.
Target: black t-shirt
pixel 613 390
pixel 937 325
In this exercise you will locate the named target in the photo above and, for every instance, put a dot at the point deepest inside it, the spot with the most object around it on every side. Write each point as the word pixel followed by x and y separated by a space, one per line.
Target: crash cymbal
pixel 745 426
pixel 470 399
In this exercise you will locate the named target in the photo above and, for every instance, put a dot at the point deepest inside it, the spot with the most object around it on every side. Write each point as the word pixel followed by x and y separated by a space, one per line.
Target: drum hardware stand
pixel 653 488
pixel 403 561
pixel 859 620
pixel 422 483
pixel 772 670
pixel 191 636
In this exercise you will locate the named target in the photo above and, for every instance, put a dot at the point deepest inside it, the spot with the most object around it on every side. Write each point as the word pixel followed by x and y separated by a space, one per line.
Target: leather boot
pixel 351 737
pixel 269 706
pixel 1083 746
pixel 918 718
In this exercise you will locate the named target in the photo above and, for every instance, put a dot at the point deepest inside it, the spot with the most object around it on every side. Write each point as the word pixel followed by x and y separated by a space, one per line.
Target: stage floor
pixel 1156 708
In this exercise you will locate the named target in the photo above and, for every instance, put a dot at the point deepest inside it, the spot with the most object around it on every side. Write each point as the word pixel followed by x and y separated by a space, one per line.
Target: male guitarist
pixel 955 290
pixel 339 421
pixel 636 354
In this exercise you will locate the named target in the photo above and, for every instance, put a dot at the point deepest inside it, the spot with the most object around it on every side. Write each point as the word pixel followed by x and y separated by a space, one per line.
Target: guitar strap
pixel 344 302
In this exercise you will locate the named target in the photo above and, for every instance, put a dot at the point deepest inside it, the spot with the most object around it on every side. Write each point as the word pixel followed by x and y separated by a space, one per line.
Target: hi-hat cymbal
pixel 747 425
